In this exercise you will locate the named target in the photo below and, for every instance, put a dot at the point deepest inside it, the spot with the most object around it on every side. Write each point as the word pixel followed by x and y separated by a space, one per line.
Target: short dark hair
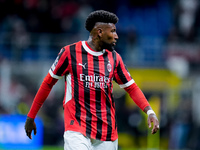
pixel 100 16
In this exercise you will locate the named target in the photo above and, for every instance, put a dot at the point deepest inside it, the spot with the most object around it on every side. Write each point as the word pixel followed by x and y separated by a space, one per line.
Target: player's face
pixel 109 36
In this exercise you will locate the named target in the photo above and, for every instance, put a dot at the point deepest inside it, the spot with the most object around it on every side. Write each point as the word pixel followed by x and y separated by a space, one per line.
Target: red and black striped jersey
pixel 88 103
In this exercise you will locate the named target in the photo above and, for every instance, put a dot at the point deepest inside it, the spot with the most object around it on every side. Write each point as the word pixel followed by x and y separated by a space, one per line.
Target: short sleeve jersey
pixel 88 103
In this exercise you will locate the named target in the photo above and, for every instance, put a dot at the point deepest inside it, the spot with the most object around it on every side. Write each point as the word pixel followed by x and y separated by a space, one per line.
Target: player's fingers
pixel 154 131
pixel 149 123
pixel 35 131
pixel 156 125
pixel 155 128
pixel 28 133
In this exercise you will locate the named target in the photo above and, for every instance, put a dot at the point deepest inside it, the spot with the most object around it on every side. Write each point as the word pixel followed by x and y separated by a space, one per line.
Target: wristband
pixel 150 112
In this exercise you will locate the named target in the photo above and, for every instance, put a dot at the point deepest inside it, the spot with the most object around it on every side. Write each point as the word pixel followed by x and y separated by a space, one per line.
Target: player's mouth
pixel 114 43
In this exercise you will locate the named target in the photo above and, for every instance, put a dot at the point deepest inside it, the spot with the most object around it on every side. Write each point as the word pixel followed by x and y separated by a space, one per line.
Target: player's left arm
pixel 152 118
pixel 124 79
pixel 138 97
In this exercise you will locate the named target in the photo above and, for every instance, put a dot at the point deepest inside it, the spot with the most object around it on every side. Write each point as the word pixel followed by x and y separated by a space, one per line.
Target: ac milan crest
pixel 109 67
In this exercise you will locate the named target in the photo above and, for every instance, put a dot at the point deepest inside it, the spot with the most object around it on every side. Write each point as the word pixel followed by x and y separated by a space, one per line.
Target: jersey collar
pixel 92 52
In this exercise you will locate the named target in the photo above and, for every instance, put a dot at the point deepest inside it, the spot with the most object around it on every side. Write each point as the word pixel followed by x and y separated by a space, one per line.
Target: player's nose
pixel 116 36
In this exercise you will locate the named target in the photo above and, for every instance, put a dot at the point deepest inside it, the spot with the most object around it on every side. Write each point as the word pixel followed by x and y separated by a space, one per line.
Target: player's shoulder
pixel 69 47
pixel 72 46
pixel 114 53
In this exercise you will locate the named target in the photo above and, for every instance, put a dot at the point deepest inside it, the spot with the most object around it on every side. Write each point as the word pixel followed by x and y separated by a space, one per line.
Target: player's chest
pixel 92 65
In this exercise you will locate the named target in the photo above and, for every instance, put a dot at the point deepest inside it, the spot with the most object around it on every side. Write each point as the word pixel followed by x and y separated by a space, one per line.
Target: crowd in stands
pixel 144 26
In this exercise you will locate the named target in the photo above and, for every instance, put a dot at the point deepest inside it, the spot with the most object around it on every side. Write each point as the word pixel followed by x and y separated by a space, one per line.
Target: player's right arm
pixel 58 69
pixel 39 99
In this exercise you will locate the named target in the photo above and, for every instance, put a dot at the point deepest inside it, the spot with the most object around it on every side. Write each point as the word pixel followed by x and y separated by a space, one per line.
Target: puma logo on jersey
pixel 82 65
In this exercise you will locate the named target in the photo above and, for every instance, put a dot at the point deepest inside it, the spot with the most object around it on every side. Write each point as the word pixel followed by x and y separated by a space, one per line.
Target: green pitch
pixel 52 148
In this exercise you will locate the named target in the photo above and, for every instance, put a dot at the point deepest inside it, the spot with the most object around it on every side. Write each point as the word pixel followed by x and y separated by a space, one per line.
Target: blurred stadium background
pixel 159 40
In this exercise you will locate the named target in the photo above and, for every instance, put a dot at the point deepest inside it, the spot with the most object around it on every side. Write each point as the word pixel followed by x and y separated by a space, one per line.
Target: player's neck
pixel 94 45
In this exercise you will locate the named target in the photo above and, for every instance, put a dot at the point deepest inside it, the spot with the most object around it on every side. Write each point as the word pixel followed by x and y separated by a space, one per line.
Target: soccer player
pixel 89 68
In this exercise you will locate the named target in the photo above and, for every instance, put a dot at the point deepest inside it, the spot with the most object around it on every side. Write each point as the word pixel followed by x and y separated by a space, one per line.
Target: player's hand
pixel 29 126
pixel 154 119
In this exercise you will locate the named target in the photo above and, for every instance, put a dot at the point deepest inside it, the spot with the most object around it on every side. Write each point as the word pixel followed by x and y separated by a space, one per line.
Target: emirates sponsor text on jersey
pixel 95 81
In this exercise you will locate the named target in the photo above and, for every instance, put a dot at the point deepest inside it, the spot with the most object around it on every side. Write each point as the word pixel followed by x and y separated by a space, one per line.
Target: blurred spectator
pixel 11 91
pixel 181 125
pixel 149 24
pixel 20 38
pixel 81 14
pixel 185 14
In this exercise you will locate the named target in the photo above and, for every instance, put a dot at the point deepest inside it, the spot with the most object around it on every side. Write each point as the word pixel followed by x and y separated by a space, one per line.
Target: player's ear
pixel 99 32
